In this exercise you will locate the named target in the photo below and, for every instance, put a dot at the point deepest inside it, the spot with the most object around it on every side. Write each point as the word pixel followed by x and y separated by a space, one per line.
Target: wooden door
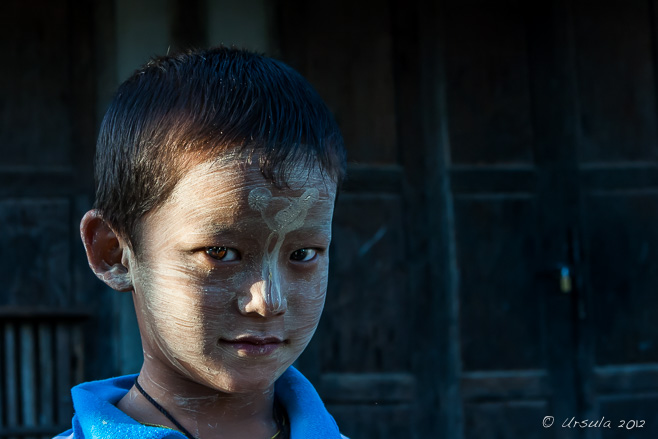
pixel 617 156
pixel 551 143
pixel 510 172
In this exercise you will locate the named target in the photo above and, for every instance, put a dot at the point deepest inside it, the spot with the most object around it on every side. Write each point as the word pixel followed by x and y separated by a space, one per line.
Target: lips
pixel 249 345
pixel 257 340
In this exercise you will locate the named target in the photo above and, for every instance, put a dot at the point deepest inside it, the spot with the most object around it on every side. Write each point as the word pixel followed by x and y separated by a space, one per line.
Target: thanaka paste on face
pixel 187 303
pixel 284 221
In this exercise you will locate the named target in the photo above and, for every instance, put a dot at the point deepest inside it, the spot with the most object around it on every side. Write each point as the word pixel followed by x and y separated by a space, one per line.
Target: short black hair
pixel 184 108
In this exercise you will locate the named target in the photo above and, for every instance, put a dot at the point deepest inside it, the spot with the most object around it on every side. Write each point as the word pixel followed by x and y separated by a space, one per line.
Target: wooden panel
pixel 626 379
pixel 488 89
pixel 616 80
pixel 507 385
pixel 35 123
pixel 622 245
pixel 365 320
pixel 370 388
pixel 374 421
pixel 490 180
pixel 496 253
pixel 346 53
pixel 34 248
pixel 619 176
pixel 506 420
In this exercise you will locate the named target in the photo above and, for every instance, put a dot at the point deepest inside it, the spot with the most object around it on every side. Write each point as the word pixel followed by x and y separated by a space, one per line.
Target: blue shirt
pixel 97 417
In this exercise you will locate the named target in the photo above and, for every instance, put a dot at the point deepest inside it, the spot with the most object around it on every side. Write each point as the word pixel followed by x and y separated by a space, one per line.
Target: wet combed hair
pixel 182 109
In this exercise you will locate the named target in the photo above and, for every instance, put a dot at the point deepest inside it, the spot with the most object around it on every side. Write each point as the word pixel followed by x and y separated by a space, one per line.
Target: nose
pixel 264 299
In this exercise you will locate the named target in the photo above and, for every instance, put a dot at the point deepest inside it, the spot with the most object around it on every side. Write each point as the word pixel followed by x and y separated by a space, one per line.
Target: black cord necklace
pixel 163 411
pixel 280 422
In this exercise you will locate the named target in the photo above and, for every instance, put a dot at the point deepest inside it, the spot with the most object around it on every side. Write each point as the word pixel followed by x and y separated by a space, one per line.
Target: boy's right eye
pixel 224 254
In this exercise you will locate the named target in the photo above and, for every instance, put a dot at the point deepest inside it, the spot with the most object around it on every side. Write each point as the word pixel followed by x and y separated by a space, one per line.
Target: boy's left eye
pixel 224 254
pixel 303 255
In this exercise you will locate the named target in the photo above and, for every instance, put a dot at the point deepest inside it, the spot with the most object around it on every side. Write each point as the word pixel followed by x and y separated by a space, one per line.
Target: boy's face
pixel 232 272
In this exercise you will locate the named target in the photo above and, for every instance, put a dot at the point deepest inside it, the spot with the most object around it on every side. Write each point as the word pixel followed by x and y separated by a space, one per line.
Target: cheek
pixel 306 297
pixel 178 302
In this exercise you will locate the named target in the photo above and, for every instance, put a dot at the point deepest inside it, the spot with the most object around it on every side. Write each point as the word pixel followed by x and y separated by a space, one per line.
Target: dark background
pixel 495 250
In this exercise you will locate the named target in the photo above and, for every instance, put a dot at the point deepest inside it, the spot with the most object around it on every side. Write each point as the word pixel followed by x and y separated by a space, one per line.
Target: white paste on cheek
pixel 283 222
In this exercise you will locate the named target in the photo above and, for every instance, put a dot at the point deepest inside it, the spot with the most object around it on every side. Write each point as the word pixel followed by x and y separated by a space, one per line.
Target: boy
pixel 216 175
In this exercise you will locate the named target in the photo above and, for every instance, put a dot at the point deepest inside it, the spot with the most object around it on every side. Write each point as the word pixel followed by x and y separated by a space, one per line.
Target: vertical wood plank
pixel 46 369
pixel 63 374
pixel 438 219
pixel 28 376
pixel 11 376
pixel 77 341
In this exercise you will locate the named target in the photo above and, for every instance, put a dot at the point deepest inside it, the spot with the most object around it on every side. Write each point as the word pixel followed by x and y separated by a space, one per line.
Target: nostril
pixel 281 308
pixel 264 299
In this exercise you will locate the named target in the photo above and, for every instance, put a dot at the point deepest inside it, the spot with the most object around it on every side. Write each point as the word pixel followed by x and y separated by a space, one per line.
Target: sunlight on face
pixel 232 274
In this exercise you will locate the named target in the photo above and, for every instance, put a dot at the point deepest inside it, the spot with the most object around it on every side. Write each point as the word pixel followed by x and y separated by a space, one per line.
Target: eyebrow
pixel 215 228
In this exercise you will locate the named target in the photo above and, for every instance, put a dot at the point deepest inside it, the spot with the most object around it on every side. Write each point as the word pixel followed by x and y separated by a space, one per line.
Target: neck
pixel 205 412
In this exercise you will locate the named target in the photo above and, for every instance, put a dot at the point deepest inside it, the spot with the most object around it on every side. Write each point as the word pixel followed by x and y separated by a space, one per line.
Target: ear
pixel 108 254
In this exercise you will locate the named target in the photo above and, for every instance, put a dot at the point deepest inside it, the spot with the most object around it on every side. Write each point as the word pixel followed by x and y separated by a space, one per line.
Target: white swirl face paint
pixel 290 218
pixel 222 299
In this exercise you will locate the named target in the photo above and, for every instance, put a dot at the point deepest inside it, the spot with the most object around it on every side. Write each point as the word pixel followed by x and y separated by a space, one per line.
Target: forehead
pixel 233 177
pixel 216 193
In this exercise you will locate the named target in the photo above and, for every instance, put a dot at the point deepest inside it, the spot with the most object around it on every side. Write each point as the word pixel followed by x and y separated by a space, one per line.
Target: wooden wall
pixel 491 148
pixel 46 143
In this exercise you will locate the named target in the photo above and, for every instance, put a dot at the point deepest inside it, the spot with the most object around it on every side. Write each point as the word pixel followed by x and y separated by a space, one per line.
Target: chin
pixel 257 378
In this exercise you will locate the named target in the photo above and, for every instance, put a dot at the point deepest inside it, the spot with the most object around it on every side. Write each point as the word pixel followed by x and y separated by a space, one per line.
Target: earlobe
pixel 107 253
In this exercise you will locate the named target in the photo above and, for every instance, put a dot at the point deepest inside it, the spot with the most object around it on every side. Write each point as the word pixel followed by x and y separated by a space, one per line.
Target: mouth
pixel 253 346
